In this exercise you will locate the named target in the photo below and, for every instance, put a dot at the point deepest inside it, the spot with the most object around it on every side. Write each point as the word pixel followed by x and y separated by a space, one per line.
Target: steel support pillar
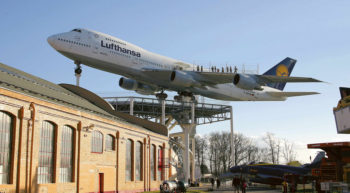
pixel 232 139
pixel 193 175
pixel 186 155
pixel 187 130
pixel 163 112
pixel 131 106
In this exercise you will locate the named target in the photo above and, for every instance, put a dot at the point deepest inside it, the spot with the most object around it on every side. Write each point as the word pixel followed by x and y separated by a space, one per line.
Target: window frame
pixel 160 155
pixel 73 144
pixel 132 160
pixel 93 140
pixel 140 157
pixel 12 138
pixel 112 138
pixel 54 151
pixel 154 157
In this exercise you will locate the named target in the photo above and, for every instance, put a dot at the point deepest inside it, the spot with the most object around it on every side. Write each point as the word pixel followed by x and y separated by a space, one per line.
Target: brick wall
pixel 29 113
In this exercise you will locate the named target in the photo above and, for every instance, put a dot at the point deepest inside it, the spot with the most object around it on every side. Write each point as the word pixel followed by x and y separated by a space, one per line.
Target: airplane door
pixel 95 45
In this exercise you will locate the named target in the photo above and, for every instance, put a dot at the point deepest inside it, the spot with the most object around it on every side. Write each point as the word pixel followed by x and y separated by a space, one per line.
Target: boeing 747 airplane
pixel 150 73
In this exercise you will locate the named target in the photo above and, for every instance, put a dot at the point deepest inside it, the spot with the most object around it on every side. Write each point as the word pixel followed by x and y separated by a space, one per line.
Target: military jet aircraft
pixel 275 174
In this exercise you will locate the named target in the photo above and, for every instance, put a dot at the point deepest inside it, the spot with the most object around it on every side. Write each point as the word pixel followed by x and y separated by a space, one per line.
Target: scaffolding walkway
pixel 151 109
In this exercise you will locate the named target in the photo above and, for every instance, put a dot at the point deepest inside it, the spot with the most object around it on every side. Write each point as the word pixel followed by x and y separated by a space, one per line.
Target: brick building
pixel 62 138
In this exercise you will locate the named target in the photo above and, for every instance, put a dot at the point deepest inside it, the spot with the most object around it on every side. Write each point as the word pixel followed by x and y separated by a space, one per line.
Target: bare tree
pixel 273 146
pixel 252 152
pixel 224 151
pixel 288 152
pixel 201 148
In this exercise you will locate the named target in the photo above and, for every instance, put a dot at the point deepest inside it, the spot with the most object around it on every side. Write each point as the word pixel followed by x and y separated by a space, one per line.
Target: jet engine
pixel 246 82
pixel 184 79
pixel 130 84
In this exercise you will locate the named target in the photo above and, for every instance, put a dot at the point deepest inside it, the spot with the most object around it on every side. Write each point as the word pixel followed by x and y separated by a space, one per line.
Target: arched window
pixel 129 162
pixel 46 153
pixel 97 142
pixel 153 162
pixel 138 161
pixel 110 143
pixel 160 163
pixel 66 167
pixel 6 132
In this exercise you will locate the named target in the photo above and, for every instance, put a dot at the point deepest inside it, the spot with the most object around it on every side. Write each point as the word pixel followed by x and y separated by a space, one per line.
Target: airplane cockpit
pixel 77 30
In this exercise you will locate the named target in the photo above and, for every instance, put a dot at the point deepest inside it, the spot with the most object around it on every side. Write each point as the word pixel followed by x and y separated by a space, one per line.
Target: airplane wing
pixel 213 78
pixel 157 73
pixel 290 94
pixel 221 78
pixel 204 78
pixel 274 79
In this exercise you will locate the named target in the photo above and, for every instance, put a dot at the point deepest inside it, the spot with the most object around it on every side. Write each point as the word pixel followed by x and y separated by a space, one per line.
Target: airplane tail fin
pixel 284 68
pixel 316 163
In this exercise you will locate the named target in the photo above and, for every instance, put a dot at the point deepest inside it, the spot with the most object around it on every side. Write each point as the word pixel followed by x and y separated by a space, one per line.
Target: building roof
pixel 328 145
pixel 19 81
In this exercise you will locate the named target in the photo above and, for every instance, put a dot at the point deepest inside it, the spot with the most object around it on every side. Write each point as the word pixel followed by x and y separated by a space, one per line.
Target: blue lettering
pixel 119 49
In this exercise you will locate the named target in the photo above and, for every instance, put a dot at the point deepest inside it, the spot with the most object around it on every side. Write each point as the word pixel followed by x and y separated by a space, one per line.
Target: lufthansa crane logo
pixel 282 70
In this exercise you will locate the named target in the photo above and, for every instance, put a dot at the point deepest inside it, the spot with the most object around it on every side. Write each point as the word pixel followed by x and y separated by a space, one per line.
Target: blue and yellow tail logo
pixel 282 70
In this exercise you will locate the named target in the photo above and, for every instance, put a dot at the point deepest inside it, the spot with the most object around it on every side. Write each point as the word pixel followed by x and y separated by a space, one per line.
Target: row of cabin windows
pixel 155 64
pixel 74 42
pixel 134 160
pixel 115 41
pixel 120 54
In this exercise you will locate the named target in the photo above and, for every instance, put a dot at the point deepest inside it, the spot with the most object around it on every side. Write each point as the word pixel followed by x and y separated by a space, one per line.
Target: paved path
pixel 230 189
pixel 257 191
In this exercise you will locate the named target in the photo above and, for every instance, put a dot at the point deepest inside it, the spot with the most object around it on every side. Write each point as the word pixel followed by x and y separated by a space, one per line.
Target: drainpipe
pixel 79 126
pixel 117 168
pixel 21 115
pixel 144 164
pixel 32 108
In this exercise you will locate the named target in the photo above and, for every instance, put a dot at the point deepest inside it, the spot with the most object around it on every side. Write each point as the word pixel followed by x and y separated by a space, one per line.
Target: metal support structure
pixel 171 113
pixel 232 138
pixel 151 109
pixel 193 176
pixel 163 112
pixel 186 156
pixel 77 76
pixel 131 106
pixel 193 121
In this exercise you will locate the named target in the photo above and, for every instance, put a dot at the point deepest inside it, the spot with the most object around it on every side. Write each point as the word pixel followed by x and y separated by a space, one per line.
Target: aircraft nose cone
pixel 51 40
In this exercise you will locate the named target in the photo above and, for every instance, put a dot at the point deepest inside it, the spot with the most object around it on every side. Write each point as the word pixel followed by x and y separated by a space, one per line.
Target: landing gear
pixel 77 71
pixel 161 95
pixel 185 97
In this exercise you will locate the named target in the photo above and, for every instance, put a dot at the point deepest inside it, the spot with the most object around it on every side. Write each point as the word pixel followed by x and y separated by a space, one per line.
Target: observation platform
pixel 151 109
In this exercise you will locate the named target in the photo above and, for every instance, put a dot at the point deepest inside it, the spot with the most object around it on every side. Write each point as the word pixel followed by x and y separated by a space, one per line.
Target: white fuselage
pixel 113 55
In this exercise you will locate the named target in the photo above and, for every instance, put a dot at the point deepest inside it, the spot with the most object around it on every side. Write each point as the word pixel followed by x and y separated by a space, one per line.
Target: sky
pixel 204 32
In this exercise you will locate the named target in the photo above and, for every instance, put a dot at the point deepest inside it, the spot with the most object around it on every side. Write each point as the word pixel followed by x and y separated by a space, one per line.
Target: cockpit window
pixel 77 30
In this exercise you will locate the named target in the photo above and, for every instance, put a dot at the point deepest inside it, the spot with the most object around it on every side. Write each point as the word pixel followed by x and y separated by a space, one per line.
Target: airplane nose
pixel 51 40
